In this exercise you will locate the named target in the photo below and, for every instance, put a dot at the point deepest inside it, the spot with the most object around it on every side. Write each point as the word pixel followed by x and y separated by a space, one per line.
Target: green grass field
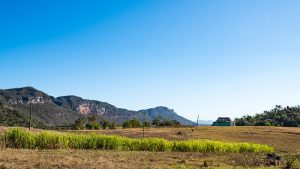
pixel 21 139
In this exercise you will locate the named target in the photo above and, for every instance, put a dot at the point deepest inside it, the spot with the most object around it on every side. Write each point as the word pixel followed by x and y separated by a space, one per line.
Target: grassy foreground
pixel 284 139
pixel 111 159
pixel 18 138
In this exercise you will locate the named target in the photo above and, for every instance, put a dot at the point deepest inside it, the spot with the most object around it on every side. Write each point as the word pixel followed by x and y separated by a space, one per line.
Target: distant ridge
pixel 63 111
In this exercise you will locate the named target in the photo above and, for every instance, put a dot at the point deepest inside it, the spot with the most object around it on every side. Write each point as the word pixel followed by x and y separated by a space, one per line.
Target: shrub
pixel 290 162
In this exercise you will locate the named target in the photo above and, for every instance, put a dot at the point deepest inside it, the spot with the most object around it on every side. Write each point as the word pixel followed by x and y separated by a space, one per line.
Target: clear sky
pixel 215 58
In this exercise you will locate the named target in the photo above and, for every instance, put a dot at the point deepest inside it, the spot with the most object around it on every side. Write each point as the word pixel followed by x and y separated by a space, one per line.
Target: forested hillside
pixel 278 116
pixel 15 105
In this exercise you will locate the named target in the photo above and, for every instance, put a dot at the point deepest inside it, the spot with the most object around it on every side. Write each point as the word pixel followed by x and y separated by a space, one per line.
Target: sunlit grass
pixel 18 138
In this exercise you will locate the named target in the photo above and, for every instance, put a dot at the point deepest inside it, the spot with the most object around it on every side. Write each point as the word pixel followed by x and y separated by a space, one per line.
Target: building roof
pixel 223 119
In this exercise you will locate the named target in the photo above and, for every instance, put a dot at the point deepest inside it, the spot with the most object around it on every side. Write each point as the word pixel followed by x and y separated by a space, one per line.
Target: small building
pixel 223 121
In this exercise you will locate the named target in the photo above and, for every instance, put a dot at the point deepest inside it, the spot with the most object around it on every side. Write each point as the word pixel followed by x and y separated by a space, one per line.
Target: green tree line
pixel 91 123
pixel 278 116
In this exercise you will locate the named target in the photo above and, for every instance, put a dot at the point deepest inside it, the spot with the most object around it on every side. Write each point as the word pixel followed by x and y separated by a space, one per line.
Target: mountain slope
pixel 24 95
pixel 167 113
pixel 88 107
pixel 44 110
pixel 63 111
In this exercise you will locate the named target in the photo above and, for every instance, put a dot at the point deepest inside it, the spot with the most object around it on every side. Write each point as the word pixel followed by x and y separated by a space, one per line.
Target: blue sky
pixel 215 58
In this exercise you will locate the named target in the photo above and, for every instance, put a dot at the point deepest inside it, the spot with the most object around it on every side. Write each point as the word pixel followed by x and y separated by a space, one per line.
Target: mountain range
pixel 15 105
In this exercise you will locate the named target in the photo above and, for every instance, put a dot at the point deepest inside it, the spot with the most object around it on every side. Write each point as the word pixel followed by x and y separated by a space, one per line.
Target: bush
pixel 290 162
pixel 267 124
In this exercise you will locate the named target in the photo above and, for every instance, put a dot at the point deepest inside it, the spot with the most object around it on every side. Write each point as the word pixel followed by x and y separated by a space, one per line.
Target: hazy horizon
pixel 213 58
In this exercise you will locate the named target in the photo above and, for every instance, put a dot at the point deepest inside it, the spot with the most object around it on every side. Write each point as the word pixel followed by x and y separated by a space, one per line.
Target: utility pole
pixel 198 120
pixel 30 108
pixel 143 125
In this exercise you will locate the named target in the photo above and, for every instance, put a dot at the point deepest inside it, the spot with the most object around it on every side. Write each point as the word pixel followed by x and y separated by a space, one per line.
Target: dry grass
pixel 11 158
pixel 285 140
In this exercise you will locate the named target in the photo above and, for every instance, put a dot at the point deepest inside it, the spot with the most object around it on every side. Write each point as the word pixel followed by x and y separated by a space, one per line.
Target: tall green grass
pixel 2 142
pixel 17 138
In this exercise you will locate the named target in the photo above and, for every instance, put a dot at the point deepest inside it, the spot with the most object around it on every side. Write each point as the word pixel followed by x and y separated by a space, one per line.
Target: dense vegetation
pixel 278 116
pixel 92 123
pixel 17 138
pixel 133 123
pixel 159 121
pixel 11 117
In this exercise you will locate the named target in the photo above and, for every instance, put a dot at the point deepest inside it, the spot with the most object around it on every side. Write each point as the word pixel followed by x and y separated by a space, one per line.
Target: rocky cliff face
pixel 82 106
pixel 88 107
pixel 66 109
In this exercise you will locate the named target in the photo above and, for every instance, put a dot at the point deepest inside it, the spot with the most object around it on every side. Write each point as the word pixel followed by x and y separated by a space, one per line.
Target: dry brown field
pixel 285 140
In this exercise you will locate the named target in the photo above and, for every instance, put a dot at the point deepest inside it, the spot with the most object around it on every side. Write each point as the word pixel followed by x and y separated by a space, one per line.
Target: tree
pixel 133 123
pixel 112 125
pixel 92 123
pixel 92 118
pixel 278 116
pixel 105 123
pixel 278 107
pixel 126 124
pixel 165 122
pixel 156 121
pixel 147 124
pixel 79 124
